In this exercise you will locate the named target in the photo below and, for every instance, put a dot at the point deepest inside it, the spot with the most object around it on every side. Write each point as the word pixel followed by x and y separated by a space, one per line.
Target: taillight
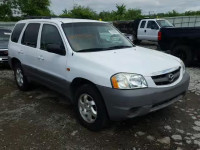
pixel 159 36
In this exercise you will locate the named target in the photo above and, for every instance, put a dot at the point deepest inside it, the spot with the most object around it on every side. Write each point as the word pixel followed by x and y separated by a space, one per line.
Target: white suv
pixel 97 67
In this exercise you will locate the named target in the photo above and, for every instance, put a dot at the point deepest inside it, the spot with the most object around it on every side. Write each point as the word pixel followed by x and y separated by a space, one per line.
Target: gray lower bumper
pixel 124 104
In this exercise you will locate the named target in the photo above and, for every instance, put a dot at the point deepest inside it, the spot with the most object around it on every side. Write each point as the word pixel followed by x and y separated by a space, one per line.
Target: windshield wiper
pixel 119 47
pixel 92 50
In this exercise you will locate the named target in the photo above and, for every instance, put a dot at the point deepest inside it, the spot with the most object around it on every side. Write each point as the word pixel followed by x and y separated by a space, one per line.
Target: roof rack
pixel 43 17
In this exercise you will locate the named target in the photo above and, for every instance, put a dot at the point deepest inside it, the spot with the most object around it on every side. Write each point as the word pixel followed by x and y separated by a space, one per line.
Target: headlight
pixel 182 66
pixel 128 81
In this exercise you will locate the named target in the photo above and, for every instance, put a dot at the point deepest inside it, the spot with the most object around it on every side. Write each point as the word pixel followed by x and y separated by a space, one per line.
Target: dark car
pixel 4 39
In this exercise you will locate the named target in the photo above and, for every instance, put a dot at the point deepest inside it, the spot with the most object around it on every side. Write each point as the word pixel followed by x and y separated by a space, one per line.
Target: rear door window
pixel 31 34
pixel 143 24
pixel 16 32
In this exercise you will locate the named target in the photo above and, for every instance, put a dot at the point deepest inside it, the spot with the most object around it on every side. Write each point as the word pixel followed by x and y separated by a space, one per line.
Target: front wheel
pixel 20 78
pixel 90 108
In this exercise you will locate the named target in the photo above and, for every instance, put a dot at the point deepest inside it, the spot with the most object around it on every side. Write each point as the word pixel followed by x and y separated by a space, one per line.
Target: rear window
pixel 17 31
pixel 143 24
pixel 31 34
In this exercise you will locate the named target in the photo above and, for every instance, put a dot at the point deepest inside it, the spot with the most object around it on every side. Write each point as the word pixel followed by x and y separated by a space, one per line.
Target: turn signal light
pixel 114 82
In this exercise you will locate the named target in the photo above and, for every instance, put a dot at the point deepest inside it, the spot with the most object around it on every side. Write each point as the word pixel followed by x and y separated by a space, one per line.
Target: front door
pixel 52 65
pixel 152 30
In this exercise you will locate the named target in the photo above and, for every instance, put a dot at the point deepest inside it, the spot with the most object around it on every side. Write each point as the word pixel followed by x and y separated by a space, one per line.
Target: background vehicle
pixel 181 42
pixel 4 39
pixel 143 29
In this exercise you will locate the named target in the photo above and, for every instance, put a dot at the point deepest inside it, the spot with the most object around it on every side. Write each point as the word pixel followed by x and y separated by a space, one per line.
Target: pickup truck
pixel 181 42
pixel 142 29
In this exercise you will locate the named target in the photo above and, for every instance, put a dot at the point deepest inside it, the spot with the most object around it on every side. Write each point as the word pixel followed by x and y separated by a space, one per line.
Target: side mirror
pixel 55 48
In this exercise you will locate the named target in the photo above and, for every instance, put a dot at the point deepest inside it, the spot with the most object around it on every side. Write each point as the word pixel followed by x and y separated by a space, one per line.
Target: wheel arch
pixel 77 82
pixel 13 61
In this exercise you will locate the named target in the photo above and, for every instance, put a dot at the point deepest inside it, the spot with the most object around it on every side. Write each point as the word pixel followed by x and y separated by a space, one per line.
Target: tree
pixel 132 14
pixel 80 12
pixel 6 11
pixel 120 13
pixel 34 7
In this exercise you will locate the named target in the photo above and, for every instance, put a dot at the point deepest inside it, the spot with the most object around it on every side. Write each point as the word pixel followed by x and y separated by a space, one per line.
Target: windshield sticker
pixel 113 32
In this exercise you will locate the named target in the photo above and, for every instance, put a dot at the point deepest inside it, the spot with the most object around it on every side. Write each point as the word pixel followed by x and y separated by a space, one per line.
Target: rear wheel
pixel 184 53
pixel 90 108
pixel 20 78
pixel 135 40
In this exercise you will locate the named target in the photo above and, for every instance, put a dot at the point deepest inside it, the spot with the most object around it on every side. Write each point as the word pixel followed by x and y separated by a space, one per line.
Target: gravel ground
pixel 43 119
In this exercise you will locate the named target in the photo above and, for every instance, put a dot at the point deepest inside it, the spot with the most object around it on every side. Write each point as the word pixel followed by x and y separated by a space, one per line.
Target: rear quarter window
pixel 16 32
pixel 143 24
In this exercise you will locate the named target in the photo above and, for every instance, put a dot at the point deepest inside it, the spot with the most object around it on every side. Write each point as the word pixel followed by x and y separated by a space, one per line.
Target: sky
pixel 147 6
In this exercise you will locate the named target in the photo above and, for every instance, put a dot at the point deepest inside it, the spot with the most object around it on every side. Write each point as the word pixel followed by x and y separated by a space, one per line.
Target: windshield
pixel 4 35
pixel 90 37
pixel 164 23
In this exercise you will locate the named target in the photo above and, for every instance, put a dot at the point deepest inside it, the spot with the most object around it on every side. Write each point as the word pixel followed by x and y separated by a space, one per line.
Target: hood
pixel 3 45
pixel 137 60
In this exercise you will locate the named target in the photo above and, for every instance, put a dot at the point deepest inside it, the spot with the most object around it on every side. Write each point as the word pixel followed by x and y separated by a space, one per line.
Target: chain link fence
pixel 7 25
pixel 185 21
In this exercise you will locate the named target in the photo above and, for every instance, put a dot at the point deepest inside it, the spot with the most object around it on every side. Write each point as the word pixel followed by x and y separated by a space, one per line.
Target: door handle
pixel 145 31
pixel 40 58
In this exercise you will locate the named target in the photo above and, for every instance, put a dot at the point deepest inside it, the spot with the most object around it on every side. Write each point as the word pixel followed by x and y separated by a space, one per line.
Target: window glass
pixel 17 31
pixel 143 24
pixel 50 35
pixel 84 37
pixel 152 25
pixel 164 23
pixel 31 34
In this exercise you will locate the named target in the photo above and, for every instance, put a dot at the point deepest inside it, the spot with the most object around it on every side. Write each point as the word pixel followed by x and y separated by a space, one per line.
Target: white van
pixel 104 75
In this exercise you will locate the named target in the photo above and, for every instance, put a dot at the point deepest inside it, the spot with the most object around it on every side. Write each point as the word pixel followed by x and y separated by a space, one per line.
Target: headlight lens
pixel 128 81
pixel 183 66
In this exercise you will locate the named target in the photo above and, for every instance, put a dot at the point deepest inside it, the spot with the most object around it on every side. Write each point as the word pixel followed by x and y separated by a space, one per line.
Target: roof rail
pixel 37 17
pixel 42 17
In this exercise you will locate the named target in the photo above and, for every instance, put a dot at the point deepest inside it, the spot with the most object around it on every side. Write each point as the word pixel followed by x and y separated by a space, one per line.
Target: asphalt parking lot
pixel 43 119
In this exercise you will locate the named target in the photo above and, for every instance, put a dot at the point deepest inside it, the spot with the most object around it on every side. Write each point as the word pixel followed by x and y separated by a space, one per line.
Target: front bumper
pixel 125 104
pixel 3 59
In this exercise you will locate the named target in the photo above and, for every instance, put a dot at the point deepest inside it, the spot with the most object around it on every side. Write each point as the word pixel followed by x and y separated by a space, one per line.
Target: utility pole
pixel 151 12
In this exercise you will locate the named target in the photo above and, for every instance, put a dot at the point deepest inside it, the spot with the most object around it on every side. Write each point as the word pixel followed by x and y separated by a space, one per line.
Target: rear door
pixel 29 48
pixel 141 30
pixel 14 46
pixel 152 30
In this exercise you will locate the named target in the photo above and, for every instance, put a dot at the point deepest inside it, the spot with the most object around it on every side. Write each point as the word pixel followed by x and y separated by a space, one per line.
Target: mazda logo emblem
pixel 171 77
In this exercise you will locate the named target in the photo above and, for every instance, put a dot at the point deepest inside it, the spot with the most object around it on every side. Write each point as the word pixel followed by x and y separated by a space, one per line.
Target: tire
pixel 89 100
pixel 20 78
pixel 137 41
pixel 184 53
